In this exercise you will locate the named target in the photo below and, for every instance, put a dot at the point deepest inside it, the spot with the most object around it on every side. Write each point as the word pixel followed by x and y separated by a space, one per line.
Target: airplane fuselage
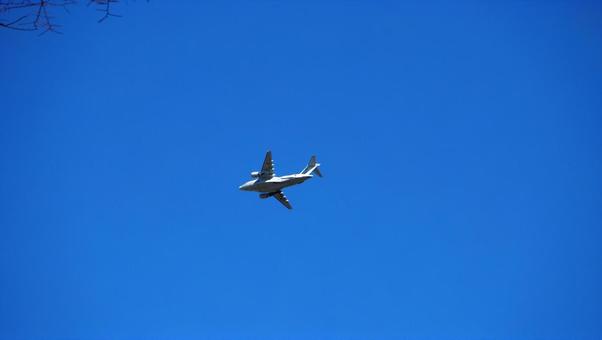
pixel 275 183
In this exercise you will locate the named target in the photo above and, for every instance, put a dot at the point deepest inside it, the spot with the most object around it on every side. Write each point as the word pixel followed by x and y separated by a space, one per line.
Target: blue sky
pixel 460 146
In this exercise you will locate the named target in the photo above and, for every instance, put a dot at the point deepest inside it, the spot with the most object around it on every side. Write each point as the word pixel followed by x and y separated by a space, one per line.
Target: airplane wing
pixel 267 169
pixel 279 195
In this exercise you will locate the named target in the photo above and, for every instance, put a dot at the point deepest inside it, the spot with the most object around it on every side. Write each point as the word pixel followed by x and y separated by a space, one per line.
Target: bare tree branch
pixel 105 7
pixel 14 25
pixel 14 13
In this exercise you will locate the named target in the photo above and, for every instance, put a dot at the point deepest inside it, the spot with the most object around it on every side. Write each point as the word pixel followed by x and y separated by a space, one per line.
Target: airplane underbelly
pixel 268 187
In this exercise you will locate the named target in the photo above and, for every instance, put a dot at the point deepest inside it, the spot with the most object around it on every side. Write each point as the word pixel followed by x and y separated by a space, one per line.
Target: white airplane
pixel 268 184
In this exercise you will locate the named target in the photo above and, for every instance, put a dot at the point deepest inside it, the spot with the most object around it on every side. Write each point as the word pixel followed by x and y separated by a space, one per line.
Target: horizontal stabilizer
pixel 312 167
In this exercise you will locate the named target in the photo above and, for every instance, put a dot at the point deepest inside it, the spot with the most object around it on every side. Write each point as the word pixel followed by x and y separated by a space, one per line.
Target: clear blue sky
pixel 461 148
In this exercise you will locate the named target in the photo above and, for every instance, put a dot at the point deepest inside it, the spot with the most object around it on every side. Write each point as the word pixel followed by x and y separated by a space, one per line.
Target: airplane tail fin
pixel 312 167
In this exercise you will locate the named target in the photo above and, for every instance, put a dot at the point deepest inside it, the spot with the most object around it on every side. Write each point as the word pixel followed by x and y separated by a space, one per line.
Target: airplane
pixel 269 185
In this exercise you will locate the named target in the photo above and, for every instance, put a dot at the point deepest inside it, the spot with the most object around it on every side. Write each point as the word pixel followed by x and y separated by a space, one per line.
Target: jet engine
pixel 270 194
pixel 255 174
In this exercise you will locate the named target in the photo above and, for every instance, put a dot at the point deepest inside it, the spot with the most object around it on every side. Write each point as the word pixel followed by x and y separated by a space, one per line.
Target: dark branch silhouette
pixel 38 15
pixel 105 7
